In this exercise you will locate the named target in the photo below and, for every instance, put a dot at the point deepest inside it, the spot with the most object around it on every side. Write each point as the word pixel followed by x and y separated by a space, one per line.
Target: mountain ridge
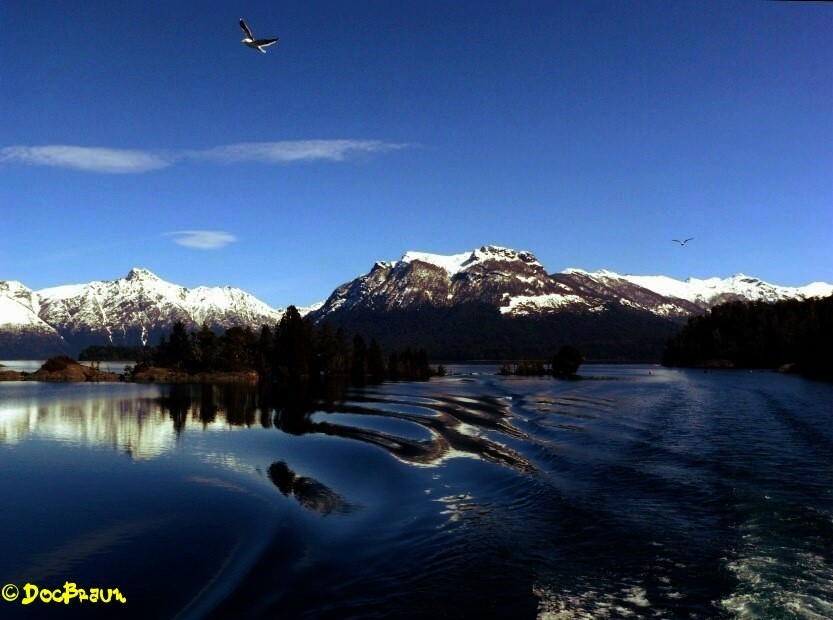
pixel 139 307
pixel 517 283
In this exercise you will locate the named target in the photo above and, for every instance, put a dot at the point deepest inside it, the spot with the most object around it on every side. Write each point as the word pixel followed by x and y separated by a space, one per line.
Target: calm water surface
pixel 677 494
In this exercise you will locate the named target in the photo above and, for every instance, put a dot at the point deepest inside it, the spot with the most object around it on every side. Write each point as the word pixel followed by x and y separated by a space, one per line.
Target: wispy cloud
pixel 294 151
pixel 124 161
pixel 203 239
pixel 86 158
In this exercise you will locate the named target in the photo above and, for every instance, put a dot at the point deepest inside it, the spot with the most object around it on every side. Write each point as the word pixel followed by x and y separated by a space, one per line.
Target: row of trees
pixel 565 364
pixel 294 348
pixel 759 335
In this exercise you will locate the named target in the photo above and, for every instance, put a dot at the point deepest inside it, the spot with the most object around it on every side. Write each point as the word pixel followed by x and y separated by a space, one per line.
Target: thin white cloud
pixel 86 158
pixel 124 161
pixel 203 239
pixel 289 151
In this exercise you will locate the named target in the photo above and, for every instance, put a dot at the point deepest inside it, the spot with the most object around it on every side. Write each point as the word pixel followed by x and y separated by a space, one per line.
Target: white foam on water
pixel 797 584
pixel 637 596
pixel 622 601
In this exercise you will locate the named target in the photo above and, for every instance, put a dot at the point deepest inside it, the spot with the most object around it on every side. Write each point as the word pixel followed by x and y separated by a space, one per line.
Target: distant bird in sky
pixel 257 44
pixel 684 241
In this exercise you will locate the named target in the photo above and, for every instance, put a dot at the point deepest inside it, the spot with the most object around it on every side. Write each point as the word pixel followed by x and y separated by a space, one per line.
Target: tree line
pixel 759 335
pixel 292 349
pixel 478 331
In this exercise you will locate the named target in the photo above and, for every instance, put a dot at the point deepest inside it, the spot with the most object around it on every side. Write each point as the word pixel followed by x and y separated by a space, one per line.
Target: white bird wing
pixel 246 29
pixel 265 42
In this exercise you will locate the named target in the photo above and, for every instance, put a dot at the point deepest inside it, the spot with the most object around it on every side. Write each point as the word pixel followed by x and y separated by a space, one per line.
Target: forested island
pixel 788 335
pixel 565 364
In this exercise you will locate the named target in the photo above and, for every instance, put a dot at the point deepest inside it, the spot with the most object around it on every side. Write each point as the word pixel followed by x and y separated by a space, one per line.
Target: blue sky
pixel 590 133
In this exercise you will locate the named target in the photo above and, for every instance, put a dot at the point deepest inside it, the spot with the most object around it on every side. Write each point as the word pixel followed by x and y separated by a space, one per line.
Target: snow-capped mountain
pixel 21 330
pixel 517 284
pixel 712 291
pixel 494 275
pixel 502 283
pixel 133 310
pixel 498 303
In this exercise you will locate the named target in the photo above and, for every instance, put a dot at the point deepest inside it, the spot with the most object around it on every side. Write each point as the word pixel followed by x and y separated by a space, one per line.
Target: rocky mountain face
pixel 133 310
pixel 497 302
pixel 490 275
pixel 518 285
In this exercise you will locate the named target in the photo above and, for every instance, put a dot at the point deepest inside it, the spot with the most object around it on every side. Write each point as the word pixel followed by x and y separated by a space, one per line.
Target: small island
pixel 565 364
pixel 62 369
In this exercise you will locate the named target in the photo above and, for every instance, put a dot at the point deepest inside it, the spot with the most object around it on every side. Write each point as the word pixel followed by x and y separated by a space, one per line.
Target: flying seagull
pixel 256 44
pixel 684 241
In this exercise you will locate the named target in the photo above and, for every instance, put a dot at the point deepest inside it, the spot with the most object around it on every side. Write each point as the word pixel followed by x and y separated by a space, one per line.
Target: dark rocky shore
pixel 66 370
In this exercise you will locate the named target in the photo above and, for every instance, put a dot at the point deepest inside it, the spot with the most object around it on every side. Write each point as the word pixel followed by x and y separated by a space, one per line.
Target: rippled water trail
pixel 676 494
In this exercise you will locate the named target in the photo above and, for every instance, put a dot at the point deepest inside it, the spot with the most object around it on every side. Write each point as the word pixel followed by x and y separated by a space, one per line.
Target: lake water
pixel 676 494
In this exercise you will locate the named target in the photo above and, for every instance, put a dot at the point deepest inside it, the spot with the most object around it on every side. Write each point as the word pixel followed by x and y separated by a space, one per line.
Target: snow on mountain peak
pixel 15 315
pixel 737 286
pixel 140 273
pixel 452 264
pixel 141 306
pixel 456 263
pixel 496 252
pixel 600 273
pixel 13 286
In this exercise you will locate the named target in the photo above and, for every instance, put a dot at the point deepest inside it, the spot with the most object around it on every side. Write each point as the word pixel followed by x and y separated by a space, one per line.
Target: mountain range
pixel 491 302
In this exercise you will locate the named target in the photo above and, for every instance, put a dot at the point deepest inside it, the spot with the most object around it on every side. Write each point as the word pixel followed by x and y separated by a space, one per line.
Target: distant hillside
pixel 478 331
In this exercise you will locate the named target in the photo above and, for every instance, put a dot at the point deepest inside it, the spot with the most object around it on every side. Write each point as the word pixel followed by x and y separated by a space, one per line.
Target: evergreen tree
pixel 327 351
pixel 358 366
pixel 423 370
pixel 394 371
pixel 161 355
pixel 376 361
pixel 293 344
pixel 343 354
pixel 566 361
pixel 314 363
pixel 237 347
pixel 206 348
pixel 179 348
pixel 265 352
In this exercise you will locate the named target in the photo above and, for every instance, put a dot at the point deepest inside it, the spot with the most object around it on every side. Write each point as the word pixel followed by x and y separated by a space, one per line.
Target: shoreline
pixel 79 373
